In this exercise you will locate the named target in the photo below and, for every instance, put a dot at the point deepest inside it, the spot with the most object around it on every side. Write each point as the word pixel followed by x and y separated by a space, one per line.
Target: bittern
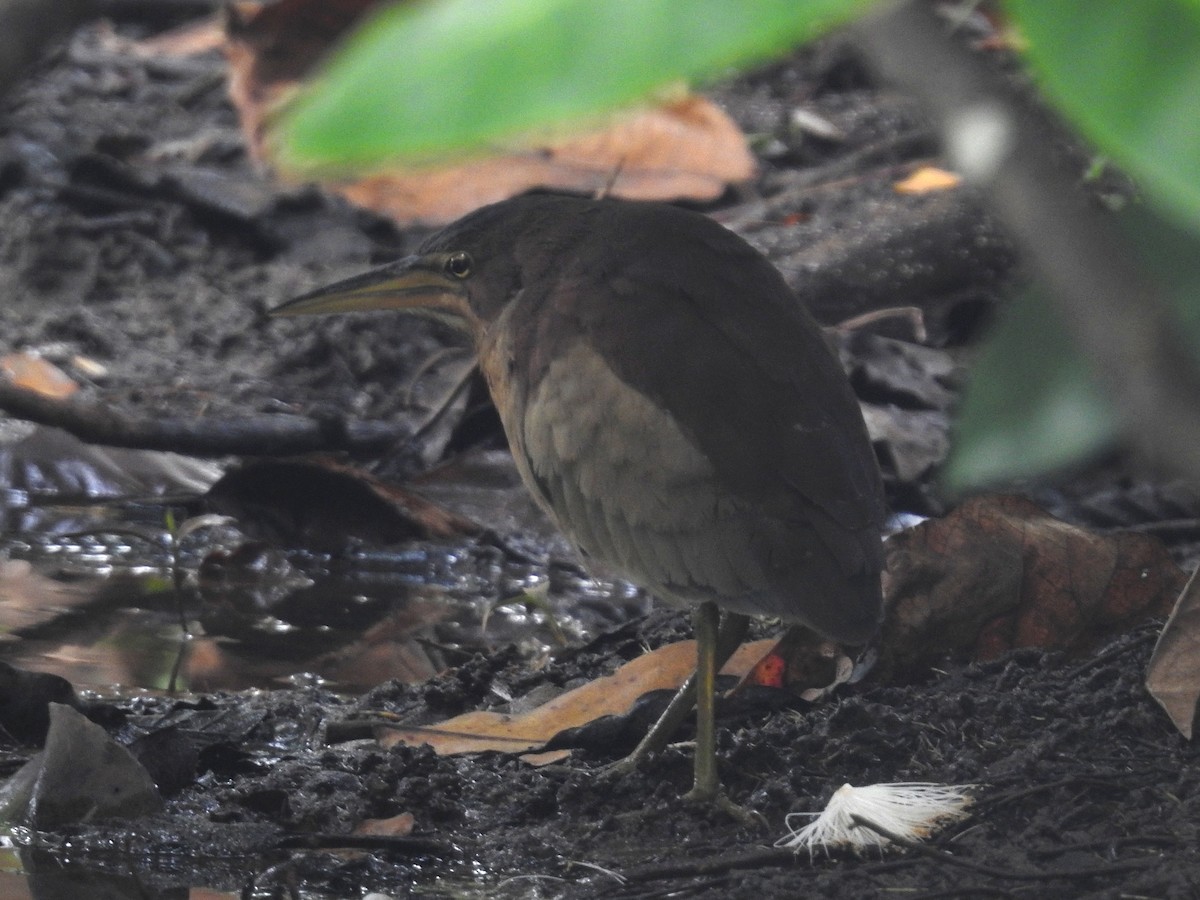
pixel 669 402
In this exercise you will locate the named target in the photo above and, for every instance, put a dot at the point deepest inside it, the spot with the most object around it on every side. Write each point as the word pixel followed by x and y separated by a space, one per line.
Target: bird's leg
pixel 729 638
pixel 706 784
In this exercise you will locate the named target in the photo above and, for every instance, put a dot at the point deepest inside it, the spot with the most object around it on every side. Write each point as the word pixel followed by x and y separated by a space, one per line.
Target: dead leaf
pixel 271 47
pixel 475 732
pixel 1173 676
pixel 999 572
pixel 685 148
pixel 927 179
pixel 35 373
pixel 82 775
pixel 396 826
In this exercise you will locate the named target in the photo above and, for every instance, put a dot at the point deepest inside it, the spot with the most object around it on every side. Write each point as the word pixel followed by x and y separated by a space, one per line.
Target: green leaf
pixel 1032 405
pixel 423 78
pixel 1128 74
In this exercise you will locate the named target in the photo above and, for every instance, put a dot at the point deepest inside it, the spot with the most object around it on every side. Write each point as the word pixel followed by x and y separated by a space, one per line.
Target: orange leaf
pixel 927 179
pixel 474 732
pixel 685 148
pixel 32 372
pixel 396 826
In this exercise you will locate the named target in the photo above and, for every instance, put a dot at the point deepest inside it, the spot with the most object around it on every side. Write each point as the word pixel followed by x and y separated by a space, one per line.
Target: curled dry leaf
pixel 999 572
pixel 684 148
pixel 1173 676
pixel 34 373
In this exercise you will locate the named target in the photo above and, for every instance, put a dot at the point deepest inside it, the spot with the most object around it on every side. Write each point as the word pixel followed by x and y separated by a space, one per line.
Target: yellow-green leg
pixel 729 638
pixel 714 646
pixel 706 784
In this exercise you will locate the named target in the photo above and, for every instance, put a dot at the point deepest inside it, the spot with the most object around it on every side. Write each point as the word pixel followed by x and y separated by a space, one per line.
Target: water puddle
pixel 125 603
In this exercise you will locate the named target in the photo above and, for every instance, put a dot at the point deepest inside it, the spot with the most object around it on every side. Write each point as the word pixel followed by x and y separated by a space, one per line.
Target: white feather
pixel 911 810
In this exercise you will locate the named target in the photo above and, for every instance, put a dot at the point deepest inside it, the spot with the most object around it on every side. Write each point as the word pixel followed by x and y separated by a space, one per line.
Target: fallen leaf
pixel 999 572
pixel 475 732
pixel 927 179
pixel 396 826
pixel 686 147
pixel 271 47
pixel 1173 676
pixel 82 775
pixel 34 373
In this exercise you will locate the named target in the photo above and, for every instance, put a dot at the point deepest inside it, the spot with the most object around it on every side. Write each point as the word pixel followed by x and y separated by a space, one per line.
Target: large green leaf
pixel 1128 74
pixel 1032 405
pixel 1171 255
pixel 423 78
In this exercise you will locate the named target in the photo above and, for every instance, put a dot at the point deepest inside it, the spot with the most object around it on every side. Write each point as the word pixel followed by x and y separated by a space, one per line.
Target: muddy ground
pixel 139 236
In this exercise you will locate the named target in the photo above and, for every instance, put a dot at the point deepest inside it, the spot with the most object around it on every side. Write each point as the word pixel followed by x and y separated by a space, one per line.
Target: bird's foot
pixel 622 767
pixel 749 818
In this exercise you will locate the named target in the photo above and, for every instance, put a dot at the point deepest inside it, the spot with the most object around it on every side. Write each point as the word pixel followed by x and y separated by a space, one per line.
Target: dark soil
pixel 138 235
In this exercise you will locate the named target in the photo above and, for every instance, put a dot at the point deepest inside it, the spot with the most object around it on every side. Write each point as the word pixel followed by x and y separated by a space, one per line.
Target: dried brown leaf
pixel 926 180
pixel 1173 676
pixel 685 148
pixel 396 826
pixel 999 572
pixel 474 732
pixel 34 373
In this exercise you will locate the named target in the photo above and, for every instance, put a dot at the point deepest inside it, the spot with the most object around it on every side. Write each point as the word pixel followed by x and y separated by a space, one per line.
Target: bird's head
pixel 462 276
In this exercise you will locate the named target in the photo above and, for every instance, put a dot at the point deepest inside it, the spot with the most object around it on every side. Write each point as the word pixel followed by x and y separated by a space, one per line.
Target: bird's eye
pixel 458 265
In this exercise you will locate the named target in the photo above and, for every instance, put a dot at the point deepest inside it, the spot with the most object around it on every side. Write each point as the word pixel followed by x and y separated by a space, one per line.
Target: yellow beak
pixel 415 284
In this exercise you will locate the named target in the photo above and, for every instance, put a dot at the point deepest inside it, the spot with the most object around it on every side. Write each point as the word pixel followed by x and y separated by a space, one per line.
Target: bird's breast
pixel 625 483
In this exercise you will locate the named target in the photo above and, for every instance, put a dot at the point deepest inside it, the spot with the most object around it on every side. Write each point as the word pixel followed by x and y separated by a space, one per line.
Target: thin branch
pixel 1006 872
pixel 269 435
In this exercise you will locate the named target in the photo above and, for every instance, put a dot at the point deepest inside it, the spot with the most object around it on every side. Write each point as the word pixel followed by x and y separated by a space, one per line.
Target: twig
pixel 914 314
pixel 997 871
pixel 319 840
pixel 711 865
pixel 276 435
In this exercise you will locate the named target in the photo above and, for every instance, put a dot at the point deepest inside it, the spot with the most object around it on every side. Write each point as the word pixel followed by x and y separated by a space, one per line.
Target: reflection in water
pixel 105 607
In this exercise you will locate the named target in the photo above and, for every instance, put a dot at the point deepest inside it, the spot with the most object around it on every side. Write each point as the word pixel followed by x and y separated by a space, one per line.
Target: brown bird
pixel 670 403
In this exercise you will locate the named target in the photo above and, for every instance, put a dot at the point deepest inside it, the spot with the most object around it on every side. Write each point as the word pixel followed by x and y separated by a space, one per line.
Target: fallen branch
pixel 272 434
